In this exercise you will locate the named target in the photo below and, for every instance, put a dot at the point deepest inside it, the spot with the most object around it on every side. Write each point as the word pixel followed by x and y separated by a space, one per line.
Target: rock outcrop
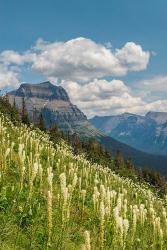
pixel 55 105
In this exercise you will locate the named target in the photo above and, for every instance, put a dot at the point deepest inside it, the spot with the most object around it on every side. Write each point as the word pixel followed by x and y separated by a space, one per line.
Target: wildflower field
pixel 52 199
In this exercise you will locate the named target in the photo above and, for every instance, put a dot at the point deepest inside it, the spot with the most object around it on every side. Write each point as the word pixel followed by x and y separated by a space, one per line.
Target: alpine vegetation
pixel 53 199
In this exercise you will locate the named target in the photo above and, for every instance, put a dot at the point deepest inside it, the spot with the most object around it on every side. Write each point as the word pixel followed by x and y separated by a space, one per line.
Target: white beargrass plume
pixel 62 181
pixel 80 184
pixel 83 196
pixel 22 164
pixel 96 195
pixel 102 222
pixel 134 220
pixel 118 223
pixel 108 199
pixel 65 197
pixel 40 171
pixel 50 177
pixel 49 201
pixel 5 156
pixel 11 148
pixel 125 227
pixel 87 245
pixel 102 192
pixel 143 213
pixel 7 152
pixel 125 209
pixel 32 177
pixel 161 238
pixel 75 179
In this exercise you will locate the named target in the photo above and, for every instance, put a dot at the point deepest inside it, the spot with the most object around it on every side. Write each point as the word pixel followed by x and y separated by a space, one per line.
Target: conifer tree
pixel 119 160
pixel 24 113
pixel 34 116
pixel 41 124
pixel 14 103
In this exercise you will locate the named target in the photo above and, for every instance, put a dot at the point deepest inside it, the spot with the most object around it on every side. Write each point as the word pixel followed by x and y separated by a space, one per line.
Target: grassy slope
pixel 37 212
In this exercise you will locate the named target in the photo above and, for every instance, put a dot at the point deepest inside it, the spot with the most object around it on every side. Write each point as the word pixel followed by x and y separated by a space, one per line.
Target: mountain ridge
pixel 147 133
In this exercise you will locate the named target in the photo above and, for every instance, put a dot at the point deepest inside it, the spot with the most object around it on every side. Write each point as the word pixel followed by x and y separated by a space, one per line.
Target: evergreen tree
pixel 119 161
pixel 24 113
pixel 41 124
pixel 14 103
pixel 34 116
pixel 129 164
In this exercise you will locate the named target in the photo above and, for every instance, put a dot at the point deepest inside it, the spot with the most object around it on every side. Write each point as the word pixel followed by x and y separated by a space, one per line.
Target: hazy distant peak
pixel 158 117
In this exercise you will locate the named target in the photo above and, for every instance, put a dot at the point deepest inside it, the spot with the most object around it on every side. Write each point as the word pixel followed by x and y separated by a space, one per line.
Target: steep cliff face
pixel 54 104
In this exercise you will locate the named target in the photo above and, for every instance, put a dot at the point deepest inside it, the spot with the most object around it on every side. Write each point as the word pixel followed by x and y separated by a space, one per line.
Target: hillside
pixel 146 133
pixel 140 159
pixel 56 108
pixel 52 199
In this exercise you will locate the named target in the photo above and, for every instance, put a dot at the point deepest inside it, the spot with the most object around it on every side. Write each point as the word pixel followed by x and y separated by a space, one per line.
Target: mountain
pixel 55 105
pixel 147 133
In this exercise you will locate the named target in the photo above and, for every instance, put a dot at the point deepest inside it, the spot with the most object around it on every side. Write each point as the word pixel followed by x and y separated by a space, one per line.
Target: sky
pixel 109 55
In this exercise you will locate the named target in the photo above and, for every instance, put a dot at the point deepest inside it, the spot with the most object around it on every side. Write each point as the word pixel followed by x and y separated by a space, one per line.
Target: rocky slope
pixel 147 133
pixel 54 104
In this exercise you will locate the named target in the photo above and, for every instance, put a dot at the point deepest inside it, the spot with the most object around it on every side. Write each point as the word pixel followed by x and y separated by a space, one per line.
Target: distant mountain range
pixel 147 133
pixel 54 104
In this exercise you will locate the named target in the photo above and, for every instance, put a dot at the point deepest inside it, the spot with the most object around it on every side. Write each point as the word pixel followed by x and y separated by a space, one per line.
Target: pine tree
pixel 34 116
pixel 14 103
pixel 24 113
pixel 119 161
pixel 41 124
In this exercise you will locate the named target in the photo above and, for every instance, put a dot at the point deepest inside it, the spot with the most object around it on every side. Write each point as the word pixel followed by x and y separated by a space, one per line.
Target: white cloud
pixel 157 83
pixel 82 59
pixel 95 90
pixel 10 57
pixel 132 57
pixel 152 89
pixel 80 64
pixel 79 59
pixel 102 97
pixel 8 77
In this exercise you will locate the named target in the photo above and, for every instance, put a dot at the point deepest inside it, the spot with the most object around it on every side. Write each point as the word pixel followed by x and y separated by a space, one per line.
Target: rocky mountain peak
pixel 158 117
pixel 54 104
pixel 44 90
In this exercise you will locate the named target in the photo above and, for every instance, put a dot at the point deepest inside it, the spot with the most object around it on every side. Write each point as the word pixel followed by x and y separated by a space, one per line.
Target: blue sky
pixel 117 22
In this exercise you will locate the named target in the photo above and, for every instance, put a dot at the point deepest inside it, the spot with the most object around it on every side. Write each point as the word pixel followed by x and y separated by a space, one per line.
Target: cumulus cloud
pixel 102 97
pixel 80 66
pixel 79 59
pixel 8 77
pixel 10 57
pixel 157 83
pixel 82 59
pixel 133 57
pixel 95 90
